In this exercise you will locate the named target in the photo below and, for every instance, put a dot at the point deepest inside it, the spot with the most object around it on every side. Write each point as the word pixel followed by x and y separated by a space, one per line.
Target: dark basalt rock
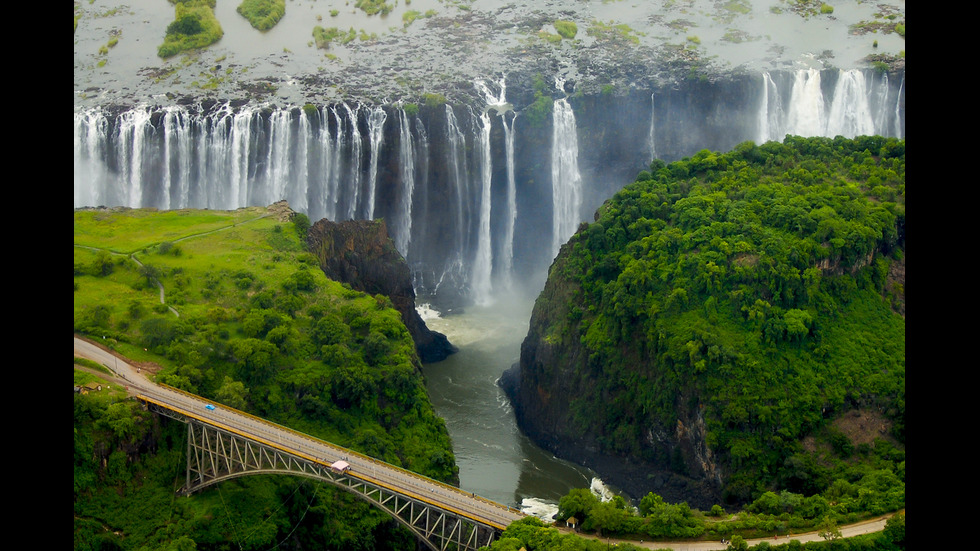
pixel 361 254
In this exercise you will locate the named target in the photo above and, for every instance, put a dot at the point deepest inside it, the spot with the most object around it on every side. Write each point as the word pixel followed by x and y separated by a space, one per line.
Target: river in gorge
pixel 495 459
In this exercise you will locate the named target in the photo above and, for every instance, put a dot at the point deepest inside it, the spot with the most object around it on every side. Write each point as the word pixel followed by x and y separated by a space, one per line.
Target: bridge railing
pixel 341 449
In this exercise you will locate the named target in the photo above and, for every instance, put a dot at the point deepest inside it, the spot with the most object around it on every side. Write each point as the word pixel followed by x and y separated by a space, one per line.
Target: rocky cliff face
pixel 360 253
pixel 555 371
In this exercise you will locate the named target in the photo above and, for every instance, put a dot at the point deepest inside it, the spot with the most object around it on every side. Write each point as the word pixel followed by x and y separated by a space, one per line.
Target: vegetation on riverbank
pixel 194 26
pixel 262 14
pixel 532 534
pixel 251 322
pixel 771 515
pixel 740 316
pixel 325 36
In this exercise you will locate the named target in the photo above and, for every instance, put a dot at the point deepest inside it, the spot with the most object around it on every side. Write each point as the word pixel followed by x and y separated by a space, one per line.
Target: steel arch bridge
pixel 216 453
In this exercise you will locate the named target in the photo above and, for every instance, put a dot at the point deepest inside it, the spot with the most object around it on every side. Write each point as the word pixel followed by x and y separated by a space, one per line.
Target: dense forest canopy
pixel 759 293
pixel 252 323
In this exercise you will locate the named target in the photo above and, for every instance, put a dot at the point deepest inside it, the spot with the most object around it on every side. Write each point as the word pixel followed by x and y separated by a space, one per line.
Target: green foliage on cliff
pixel 250 321
pixel 539 111
pixel 194 26
pixel 262 14
pixel 753 291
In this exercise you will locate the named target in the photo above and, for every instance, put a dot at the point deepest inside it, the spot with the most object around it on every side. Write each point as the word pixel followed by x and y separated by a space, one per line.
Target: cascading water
pixel 278 157
pixel 498 102
pixel 850 111
pixel 507 239
pixel 857 106
pixel 133 129
pixel 460 188
pixel 483 263
pixel 652 136
pixel 332 196
pixel 770 111
pixel 566 181
pixel 463 201
pixel 376 122
pixel 354 162
pixel 406 165
pixel 806 107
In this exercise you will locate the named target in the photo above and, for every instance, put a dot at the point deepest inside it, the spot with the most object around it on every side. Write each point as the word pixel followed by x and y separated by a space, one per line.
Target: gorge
pixel 480 138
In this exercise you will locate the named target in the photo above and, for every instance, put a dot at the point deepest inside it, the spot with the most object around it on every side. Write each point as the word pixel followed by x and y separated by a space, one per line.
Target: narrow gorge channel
pixel 495 459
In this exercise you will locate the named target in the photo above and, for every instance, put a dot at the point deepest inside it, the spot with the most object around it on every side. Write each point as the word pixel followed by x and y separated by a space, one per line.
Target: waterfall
pixel 652 137
pixel 321 165
pixel 421 192
pixel 856 106
pixel 406 156
pixel 91 128
pixel 449 208
pixel 332 195
pixel 459 173
pixel 483 263
pixel 277 157
pixel 376 122
pixel 806 105
pixel 298 196
pixel 507 240
pixel 354 166
pixel 770 112
pixel 133 128
pixel 850 112
pixel 897 130
pixel 566 181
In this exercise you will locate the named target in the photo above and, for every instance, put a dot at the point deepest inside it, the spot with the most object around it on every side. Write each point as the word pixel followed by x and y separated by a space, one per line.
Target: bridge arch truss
pixel 215 455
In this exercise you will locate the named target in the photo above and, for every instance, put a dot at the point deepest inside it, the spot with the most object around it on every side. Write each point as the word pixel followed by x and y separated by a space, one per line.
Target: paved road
pixel 408 483
pixel 411 484
pixel 851 530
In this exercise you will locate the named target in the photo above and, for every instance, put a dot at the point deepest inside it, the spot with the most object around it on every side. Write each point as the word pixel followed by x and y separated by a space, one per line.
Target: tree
pixel 829 530
pixel 606 517
pixel 302 224
pixel 895 531
pixel 232 393
pixel 738 543
pixel 578 503
pixel 103 264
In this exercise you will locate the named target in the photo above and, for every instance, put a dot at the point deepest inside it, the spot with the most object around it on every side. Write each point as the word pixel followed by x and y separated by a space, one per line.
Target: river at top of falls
pixel 495 459
pixel 450 42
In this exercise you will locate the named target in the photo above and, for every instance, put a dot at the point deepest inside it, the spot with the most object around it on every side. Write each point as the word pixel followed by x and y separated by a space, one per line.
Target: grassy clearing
pixel 263 14
pixel 140 229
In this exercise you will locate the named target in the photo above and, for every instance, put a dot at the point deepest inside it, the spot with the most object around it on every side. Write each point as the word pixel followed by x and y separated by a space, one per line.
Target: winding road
pixel 371 470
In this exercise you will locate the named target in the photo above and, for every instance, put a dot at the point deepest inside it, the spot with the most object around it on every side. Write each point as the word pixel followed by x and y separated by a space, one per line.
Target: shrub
pixel 194 26
pixel 567 29
pixel 262 14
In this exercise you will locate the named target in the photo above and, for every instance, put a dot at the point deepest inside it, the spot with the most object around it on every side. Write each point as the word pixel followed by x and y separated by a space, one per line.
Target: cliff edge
pixel 361 254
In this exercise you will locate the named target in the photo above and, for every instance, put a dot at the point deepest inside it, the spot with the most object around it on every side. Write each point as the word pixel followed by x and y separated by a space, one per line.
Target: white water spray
pixel 566 181
pixel 483 263
pixel 406 155
pixel 376 122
